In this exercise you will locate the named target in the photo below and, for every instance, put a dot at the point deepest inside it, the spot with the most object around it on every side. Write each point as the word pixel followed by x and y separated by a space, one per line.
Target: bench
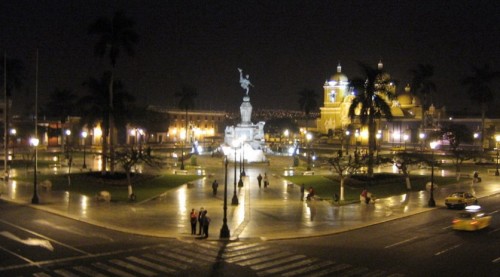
pixel 181 172
pixel 308 173
pixel 492 171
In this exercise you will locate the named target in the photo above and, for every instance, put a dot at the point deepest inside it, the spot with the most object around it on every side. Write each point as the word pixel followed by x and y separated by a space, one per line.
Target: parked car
pixel 471 219
pixel 460 200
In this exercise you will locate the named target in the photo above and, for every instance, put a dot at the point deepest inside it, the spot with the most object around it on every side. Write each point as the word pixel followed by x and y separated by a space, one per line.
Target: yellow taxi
pixel 460 200
pixel 471 219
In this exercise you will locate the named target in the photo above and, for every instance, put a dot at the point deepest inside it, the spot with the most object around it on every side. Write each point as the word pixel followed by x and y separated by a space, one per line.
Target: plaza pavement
pixel 276 212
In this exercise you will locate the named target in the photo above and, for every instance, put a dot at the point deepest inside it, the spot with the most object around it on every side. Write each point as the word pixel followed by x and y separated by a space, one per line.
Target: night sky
pixel 285 46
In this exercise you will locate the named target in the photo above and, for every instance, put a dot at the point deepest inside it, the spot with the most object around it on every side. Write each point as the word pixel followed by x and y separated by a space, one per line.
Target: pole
pixel 224 231
pixel 243 159
pixel 235 197
pixel 497 173
pixel 35 199
pixel 432 203
pixel 6 118
pixel 84 152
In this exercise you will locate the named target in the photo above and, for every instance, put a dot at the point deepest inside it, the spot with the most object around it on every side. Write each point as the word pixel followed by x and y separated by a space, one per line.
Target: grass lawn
pixel 390 184
pixel 145 187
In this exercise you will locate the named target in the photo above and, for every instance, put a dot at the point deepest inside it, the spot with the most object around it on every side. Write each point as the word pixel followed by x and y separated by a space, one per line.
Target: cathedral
pixel 407 125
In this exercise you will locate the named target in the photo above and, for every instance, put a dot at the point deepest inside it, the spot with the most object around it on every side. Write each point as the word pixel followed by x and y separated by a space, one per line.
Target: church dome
pixel 405 98
pixel 338 77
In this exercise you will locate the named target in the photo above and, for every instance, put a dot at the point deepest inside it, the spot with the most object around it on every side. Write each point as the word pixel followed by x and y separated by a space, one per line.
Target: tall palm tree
pixel 114 35
pixel 308 102
pixel 94 106
pixel 423 85
pixel 11 78
pixel 480 90
pixel 60 104
pixel 186 102
pixel 371 102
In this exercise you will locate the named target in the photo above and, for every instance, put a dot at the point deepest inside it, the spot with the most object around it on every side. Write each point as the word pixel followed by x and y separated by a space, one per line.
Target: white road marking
pixel 29 241
pixel 45 237
pixel 447 249
pixel 496 260
pixel 401 242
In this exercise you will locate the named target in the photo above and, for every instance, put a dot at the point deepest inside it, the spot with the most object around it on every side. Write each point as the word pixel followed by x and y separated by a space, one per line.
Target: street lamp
pixel 497 138
pixel 308 138
pixel 378 136
pixel 183 136
pixel 235 197
pixel 34 142
pixel 356 135
pixel 224 231
pixel 432 202
pixel 84 136
pixel 347 141
pixel 405 139
pixel 243 139
pixel 13 133
pixel 421 136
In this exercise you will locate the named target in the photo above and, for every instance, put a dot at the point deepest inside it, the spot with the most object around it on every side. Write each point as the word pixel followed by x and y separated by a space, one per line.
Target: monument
pixel 245 141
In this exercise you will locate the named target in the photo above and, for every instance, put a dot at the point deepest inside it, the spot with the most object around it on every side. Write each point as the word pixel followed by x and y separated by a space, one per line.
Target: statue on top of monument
pixel 244 81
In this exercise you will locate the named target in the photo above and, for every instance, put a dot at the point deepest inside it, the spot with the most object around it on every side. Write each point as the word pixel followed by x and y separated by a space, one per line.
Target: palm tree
pixel 480 91
pixel 61 104
pixel 423 85
pixel 308 102
pixel 186 102
pixel 115 35
pixel 12 76
pixel 95 106
pixel 371 102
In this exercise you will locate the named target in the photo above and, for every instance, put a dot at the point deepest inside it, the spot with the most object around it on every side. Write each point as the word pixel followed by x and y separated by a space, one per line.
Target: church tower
pixel 335 90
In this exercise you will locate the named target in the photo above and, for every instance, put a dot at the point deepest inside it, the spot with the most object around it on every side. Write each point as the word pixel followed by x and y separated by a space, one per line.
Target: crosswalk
pixel 258 258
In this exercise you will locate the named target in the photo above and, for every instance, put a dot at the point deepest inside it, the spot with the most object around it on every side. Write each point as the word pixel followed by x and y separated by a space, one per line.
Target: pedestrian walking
pixel 302 190
pixel 194 219
pixel 200 220
pixel 266 181
pixel 215 185
pixel 206 223
pixel 311 194
pixel 259 179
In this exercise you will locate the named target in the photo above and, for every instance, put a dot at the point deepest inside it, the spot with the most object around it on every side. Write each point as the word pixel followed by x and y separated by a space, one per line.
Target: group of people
pixel 200 218
pixel 365 196
pixel 266 180
pixel 310 193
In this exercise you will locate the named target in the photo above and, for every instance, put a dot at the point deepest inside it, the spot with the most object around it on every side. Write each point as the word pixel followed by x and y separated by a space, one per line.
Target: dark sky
pixel 284 46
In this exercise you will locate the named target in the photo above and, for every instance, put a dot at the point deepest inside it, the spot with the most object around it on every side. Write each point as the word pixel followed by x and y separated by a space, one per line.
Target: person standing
pixel 215 185
pixel 193 218
pixel 200 220
pixel 302 190
pixel 266 181
pixel 259 179
pixel 206 223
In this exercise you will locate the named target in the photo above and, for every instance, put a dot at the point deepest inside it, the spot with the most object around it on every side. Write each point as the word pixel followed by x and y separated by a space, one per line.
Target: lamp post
pixel 235 197
pixel 421 136
pixel 432 202
pixel 13 133
pixel 308 138
pixel 34 142
pixel 84 136
pixel 224 231
pixel 347 141
pixel 183 136
pixel 405 139
pixel 497 138
pixel 356 135
pixel 378 136
pixel 68 133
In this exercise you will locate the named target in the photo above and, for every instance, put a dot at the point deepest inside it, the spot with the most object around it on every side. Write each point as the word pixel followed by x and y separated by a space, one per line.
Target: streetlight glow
pixel 432 202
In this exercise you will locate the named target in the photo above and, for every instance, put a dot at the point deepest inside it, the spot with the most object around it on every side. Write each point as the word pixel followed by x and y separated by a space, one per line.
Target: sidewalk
pixel 269 213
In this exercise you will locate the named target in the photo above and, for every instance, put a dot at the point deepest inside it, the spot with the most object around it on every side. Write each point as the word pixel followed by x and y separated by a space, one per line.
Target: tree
pixel 60 104
pixel 456 134
pixel 128 157
pixel 480 91
pixel 186 103
pixel 371 102
pixel 345 166
pixel 114 35
pixel 95 109
pixel 403 161
pixel 12 76
pixel 308 102
pixel 423 85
